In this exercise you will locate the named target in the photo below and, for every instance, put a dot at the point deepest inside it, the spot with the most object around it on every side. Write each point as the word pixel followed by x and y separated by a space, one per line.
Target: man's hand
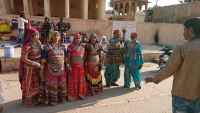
pixel 148 79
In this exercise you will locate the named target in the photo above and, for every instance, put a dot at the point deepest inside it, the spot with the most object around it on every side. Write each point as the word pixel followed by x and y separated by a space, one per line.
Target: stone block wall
pixel 9 64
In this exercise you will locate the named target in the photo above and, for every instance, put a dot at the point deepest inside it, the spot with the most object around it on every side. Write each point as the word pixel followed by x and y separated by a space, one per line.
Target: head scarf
pixel 103 37
pixel 31 31
pixel 91 35
pixel 54 33
pixel 101 42
pixel 134 34
pixel 116 31
pixel 76 35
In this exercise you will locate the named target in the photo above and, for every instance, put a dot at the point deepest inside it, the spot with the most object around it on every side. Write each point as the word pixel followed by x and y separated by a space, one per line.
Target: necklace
pixel 56 48
pixel 94 47
pixel 35 46
pixel 78 47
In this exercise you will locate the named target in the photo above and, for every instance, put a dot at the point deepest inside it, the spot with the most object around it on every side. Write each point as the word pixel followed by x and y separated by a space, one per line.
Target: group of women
pixel 53 74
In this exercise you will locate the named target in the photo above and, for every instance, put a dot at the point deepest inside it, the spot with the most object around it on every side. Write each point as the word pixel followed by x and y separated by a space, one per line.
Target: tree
pixel 110 3
pixel 187 1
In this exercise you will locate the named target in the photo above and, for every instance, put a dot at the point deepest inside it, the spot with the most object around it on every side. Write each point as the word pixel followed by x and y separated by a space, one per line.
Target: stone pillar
pixel 66 8
pixel 31 7
pixel 47 12
pixel 146 6
pixel 123 8
pixel 12 4
pixel 114 9
pixel 2 7
pixel 84 9
pixel 135 8
pixel 140 7
pixel 26 7
pixel 101 10
pixel 6 7
pixel 129 8
pixel 118 5
pixel 140 16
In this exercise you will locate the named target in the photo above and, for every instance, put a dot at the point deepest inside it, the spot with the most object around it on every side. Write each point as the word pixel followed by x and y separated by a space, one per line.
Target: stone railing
pixel 116 0
pixel 124 17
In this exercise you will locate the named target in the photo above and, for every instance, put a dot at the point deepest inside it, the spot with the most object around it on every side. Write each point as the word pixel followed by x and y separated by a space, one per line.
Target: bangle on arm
pixel 68 65
pixel 41 67
pixel 33 63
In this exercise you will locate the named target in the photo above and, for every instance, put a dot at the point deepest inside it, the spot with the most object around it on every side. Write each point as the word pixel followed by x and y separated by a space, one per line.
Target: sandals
pixel 1 108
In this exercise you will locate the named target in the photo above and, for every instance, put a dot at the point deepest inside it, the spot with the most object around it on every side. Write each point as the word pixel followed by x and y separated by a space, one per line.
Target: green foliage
pixel 170 47
pixel 160 45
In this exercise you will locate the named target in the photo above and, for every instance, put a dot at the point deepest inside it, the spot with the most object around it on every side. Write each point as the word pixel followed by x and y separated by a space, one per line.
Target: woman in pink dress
pixel 29 68
pixel 53 81
pixel 77 87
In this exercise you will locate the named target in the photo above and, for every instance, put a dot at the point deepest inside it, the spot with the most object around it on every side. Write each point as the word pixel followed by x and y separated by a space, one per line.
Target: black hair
pixel 194 23
pixel 61 19
pixel 21 15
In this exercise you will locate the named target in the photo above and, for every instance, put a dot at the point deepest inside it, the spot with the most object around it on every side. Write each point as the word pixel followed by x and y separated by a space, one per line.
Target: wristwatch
pixel 67 65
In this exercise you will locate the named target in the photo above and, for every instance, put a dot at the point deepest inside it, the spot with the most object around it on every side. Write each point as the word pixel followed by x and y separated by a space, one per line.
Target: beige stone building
pixel 126 9
pixel 83 9
pixel 176 13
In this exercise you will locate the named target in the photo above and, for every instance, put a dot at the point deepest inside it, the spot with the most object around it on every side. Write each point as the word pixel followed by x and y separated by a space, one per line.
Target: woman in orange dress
pixel 77 87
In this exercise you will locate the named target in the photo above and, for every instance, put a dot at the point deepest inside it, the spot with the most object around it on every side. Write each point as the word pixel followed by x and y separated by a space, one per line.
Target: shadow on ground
pixel 17 106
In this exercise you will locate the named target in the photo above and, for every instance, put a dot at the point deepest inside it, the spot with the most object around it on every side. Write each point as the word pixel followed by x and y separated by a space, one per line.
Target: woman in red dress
pixel 77 87
pixel 29 68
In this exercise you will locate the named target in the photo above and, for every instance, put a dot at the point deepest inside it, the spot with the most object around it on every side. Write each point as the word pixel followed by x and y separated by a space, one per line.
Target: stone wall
pixel 169 34
pixel 9 64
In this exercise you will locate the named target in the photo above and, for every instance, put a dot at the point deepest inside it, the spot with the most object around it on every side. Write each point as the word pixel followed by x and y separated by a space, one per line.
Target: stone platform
pixel 150 52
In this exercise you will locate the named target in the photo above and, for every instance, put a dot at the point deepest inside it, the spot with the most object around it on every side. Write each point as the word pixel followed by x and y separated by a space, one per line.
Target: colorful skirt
pixel 30 86
pixel 77 88
pixel 53 89
pixel 93 79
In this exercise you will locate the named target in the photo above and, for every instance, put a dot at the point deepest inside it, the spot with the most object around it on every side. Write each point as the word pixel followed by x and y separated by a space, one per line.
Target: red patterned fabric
pixel 76 83
pixel 53 88
pixel 29 76
pixel 93 74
